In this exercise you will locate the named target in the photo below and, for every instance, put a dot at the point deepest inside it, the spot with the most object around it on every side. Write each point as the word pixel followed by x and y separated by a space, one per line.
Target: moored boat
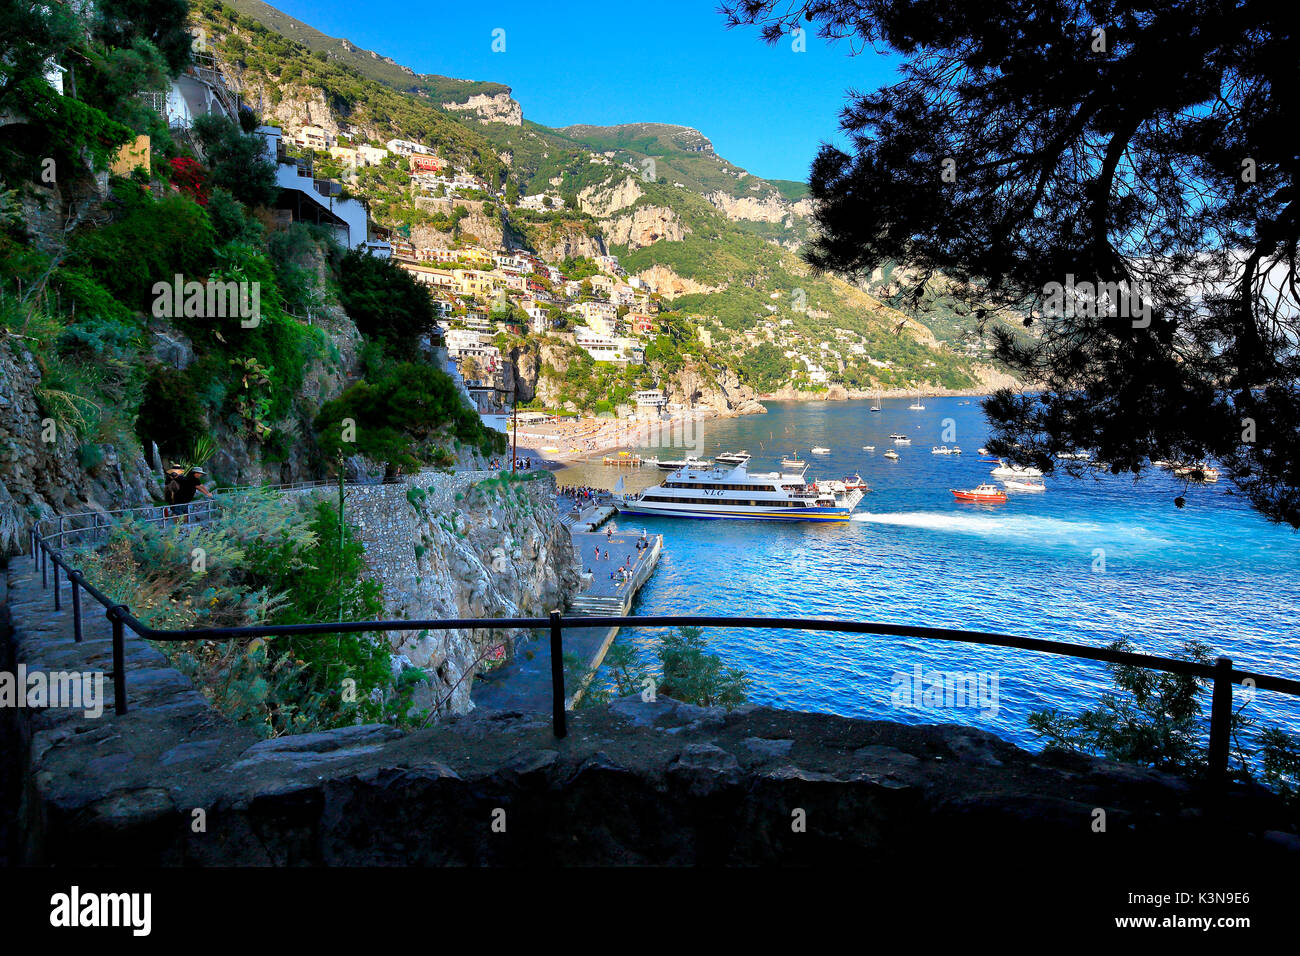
pixel 733 458
pixel 1003 470
pixel 1024 484
pixel 1203 473
pixel 891 455
pixel 690 461
pixel 980 493
pixel 821 450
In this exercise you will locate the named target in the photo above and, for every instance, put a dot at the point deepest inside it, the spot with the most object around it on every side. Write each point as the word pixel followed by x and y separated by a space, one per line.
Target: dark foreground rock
pixel 173 783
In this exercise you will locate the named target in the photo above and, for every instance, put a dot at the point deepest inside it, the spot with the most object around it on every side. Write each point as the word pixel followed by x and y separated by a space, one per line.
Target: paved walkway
pixel 524 684
pixel 622 552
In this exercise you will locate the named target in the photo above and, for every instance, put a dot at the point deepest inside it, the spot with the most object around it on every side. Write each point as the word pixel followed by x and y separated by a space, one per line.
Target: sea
pixel 1090 560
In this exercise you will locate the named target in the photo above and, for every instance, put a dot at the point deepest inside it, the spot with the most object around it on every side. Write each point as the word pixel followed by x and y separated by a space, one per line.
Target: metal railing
pixel 1222 674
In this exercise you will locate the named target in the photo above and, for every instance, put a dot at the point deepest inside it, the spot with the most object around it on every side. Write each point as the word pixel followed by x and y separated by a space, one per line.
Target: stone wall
pixel 467 545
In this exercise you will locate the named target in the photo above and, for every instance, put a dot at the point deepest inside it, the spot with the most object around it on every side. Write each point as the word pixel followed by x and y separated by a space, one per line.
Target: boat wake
pixel 1039 529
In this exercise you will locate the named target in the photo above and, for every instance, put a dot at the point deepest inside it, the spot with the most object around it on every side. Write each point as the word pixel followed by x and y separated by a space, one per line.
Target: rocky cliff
pixel 494 108
pixel 43 468
pixel 714 388
pixel 644 226
pixel 472 545
pixel 479 226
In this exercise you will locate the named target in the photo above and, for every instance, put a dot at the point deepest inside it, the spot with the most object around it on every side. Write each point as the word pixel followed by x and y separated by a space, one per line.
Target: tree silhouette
pixel 1139 156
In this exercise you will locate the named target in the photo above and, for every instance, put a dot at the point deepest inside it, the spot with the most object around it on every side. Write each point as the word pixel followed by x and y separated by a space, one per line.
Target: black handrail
pixel 1221 673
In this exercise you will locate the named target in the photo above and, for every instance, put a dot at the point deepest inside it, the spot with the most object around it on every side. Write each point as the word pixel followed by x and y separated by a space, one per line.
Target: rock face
pixel 463 546
pixel 297 107
pixel 717 389
pixel 670 285
pixel 644 226
pixel 497 108
pixel 767 208
pixel 557 241
pixel 605 200
pixel 40 472
pixel 478 225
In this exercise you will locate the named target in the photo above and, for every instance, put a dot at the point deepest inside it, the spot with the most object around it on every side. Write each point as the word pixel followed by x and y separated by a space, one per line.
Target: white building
pixel 602 348
pixel 405 147
pixel 309 200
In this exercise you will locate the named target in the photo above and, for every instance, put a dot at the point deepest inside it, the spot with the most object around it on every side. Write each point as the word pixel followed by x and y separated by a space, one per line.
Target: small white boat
pixel 821 450
pixel 733 457
pixel 690 461
pixel 1003 470
pixel 868 447
pixel 1203 473
pixel 983 451
pixel 945 450
pixel 793 463
pixel 1073 455
pixel 891 455
pixel 916 407
pixel 1024 484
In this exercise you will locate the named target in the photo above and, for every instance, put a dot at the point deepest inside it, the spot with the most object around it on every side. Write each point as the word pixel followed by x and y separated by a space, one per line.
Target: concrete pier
pixel 525 683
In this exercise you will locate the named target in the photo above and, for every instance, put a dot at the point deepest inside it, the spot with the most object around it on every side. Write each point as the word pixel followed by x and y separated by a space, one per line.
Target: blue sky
pixel 766 108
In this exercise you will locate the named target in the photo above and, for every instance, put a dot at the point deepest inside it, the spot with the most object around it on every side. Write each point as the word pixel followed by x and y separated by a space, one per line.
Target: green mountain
pixel 718 242
pixel 381 69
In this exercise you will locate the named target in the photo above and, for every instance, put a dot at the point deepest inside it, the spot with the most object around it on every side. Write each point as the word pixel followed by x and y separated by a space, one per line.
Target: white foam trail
pixel 1042 529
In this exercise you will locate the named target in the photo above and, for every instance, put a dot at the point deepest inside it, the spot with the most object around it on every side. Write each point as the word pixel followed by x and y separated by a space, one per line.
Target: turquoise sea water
pixel 1213 570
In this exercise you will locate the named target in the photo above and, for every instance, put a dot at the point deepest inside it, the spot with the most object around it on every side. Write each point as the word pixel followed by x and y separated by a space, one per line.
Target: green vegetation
pixel 266 560
pixel 386 302
pixel 404 416
pixel 1156 720
pixel 687 672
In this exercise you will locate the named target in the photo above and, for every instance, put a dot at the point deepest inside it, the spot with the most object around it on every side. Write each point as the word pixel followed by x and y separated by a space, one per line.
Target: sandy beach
pixel 559 443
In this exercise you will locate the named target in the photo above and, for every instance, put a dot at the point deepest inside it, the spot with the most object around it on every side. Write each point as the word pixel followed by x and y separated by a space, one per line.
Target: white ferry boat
pixel 732 492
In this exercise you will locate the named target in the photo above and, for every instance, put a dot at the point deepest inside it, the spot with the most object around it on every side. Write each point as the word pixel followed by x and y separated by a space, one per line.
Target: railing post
pixel 76 606
pixel 44 584
pixel 559 719
pixel 1220 723
pixel 119 660
pixel 56 586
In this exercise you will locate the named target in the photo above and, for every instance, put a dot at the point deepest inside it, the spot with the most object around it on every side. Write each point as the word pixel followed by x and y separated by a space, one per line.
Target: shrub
pixel 149 241
pixel 400 417
pixel 237 160
pixel 385 301
pixel 171 414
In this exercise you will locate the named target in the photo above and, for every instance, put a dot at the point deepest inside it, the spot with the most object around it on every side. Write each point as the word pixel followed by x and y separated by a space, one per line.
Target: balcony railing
pixel 47 549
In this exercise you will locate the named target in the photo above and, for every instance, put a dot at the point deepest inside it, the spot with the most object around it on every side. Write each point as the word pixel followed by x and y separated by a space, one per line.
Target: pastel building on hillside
pixel 304 198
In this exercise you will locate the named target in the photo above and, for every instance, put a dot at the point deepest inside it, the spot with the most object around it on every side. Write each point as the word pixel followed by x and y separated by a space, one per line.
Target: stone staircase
pixel 591 606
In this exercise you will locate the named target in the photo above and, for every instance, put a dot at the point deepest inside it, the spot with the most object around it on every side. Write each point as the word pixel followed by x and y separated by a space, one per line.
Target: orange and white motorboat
pixel 983 493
